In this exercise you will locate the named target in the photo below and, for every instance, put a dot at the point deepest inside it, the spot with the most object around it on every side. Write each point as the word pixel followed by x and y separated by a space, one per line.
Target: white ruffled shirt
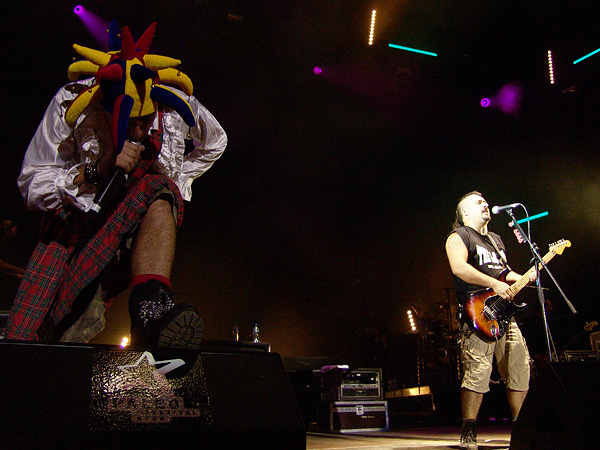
pixel 56 151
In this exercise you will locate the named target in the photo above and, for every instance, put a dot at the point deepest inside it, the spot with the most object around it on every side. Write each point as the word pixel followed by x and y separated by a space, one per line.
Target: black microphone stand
pixel 539 261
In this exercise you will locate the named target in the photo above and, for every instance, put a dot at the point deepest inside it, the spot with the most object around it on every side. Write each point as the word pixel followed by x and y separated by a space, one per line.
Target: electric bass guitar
pixel 488 314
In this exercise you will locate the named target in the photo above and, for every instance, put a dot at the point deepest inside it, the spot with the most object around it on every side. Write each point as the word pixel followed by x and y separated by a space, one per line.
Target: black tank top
pixel 482 255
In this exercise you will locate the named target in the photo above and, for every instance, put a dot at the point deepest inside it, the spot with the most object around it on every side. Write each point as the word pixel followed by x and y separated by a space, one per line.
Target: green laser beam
pixel 537 216
pixel 408 49
pixel 586 56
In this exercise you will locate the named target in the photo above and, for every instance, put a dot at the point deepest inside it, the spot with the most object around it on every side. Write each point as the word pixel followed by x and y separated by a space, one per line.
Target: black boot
pixel 157 322
pixel 468 435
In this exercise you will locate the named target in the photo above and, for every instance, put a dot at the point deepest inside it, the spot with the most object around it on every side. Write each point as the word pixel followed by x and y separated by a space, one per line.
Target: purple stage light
pixel 96 25
pixel 509 99
pixel 317 70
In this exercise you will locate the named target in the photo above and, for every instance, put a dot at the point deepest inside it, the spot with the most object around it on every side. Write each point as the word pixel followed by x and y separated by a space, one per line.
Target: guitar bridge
pixel 489 313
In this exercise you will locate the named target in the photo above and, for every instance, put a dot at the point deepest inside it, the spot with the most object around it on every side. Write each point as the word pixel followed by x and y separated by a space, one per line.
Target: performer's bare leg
pixel 154 246
pixel 515 400
pixel 155 319
pixel 470 403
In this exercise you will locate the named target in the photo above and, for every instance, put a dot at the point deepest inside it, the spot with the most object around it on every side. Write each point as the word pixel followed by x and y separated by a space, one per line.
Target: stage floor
pixel 496 436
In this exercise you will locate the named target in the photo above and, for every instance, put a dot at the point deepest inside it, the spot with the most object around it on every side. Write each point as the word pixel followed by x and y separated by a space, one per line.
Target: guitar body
pixel 489 314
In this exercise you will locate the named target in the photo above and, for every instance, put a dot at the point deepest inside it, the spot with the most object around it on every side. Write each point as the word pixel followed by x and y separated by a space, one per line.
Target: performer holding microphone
pixel 123 119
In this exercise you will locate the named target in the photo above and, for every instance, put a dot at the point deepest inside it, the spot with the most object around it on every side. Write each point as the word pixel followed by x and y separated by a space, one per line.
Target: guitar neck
pixel 524 280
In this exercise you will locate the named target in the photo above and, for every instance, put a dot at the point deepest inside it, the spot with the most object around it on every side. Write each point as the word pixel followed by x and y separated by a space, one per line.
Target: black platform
pixel 226 395
pixel 562 409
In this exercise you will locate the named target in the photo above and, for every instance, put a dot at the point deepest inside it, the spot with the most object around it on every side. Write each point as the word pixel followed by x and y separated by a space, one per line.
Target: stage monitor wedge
pixel 562 409
pixel 101 397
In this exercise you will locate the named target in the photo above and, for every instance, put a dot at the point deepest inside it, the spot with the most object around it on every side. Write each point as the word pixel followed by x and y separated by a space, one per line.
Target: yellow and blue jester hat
pixel 128 81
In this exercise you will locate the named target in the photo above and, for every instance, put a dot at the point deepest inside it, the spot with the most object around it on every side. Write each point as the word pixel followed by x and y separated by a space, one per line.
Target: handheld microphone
pixel 499 209
pixel 114 184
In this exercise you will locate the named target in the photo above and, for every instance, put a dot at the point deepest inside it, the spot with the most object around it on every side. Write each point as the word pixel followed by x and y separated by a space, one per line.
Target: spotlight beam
pixel 95 24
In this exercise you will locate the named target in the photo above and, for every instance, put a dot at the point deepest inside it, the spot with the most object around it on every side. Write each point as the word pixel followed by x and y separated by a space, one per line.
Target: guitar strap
pixel 498 251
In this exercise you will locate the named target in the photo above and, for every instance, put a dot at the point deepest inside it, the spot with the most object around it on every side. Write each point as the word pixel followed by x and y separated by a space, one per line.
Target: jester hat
pixel 128 81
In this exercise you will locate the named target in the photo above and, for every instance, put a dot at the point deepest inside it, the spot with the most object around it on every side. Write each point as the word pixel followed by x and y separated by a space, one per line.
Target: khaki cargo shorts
pixel 477 356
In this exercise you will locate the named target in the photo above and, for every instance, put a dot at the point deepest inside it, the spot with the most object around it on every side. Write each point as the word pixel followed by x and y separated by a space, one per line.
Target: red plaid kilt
pixel 60 268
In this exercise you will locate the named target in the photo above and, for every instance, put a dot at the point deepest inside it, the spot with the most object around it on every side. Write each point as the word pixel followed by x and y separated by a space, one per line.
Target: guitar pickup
pixel 489 313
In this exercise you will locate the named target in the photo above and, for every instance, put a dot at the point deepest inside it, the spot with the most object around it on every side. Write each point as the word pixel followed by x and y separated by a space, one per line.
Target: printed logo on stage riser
pixel 136 391
pixel 152 410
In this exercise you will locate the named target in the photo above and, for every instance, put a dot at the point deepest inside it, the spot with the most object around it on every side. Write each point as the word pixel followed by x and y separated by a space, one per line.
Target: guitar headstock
pixel 559 246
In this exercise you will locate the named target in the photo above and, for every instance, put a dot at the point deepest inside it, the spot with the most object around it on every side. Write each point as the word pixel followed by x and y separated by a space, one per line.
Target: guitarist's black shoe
pixel 468 435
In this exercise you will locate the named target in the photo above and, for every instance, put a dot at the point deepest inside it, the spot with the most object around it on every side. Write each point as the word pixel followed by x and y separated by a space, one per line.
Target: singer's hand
pixel 129 156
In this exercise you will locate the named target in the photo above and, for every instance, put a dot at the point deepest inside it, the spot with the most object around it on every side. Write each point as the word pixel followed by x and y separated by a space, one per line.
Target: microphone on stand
pixel 499 209
pixel 114 184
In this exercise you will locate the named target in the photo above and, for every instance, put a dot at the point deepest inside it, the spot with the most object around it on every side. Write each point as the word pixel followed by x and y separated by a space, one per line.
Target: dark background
pixel 326 217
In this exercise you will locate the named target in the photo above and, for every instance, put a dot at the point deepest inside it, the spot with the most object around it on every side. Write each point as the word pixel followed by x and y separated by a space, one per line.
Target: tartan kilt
pixel 60 268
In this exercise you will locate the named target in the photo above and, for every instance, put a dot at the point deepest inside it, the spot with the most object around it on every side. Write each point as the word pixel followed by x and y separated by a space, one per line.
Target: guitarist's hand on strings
pixel 502 289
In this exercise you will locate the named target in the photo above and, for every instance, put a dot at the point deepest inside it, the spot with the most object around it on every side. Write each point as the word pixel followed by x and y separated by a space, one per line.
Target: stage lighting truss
pixel 550 67
pixel 411 320
pixel 372 29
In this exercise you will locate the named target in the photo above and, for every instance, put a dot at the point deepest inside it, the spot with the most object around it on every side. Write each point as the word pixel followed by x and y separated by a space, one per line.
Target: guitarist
pixel 477 258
